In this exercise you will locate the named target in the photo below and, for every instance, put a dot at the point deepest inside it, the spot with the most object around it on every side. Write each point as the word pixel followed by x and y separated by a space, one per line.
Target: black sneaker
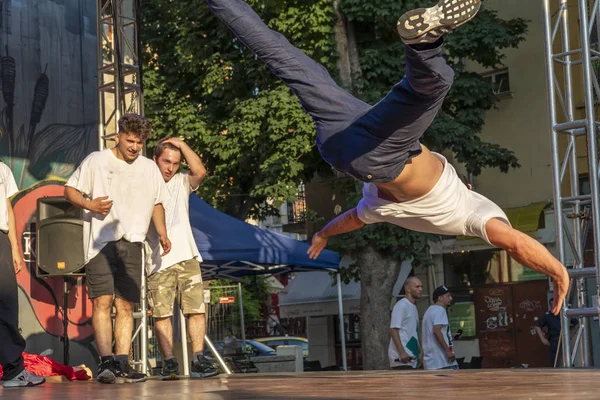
pixel 201 368
pixel 106 371
pixel 170 370
pixel 446 16
pixel 125 374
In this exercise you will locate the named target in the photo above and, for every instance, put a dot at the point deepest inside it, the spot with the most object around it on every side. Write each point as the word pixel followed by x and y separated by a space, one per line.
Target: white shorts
pixel 450 208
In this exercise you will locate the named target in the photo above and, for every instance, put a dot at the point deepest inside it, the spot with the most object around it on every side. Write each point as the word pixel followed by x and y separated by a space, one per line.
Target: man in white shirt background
pixel 12 343
pixel 437 337
pixel 177 275
pixel 404 350
pixel 120 193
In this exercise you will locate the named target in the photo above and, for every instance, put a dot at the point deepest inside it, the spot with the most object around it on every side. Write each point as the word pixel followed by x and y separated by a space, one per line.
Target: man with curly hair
pixel 120 193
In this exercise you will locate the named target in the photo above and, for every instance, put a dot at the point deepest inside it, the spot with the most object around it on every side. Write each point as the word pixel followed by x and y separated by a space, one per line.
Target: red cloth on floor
pixel 45 366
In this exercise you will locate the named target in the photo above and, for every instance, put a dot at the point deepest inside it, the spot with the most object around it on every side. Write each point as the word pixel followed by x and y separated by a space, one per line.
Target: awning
pixel 311 294
pixel 526 219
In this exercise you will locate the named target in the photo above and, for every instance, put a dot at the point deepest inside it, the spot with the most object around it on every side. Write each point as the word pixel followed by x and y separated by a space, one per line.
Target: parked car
pixel 276 341
pixel 252 349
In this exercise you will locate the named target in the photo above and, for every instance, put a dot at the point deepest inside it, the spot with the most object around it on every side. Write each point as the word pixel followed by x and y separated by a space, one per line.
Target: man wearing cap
pixel 437 338
pixel 405 351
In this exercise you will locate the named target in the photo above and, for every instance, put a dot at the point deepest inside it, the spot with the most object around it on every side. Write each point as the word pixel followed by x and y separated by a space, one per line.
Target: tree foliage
pixel 257 141
pixel 201 83
pixel 459 124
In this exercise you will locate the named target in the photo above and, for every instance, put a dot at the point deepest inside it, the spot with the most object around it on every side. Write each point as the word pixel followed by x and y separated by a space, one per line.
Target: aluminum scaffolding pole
pixel 119 71
pixel 561 58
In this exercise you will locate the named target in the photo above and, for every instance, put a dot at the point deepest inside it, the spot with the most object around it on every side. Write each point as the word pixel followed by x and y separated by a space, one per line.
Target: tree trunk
pixel 341 40
pixel 377 278
pixel 353 56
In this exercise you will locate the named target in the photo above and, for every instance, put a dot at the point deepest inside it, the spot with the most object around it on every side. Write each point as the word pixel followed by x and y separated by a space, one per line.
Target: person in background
pixel 404 350
pixel 230 343
pixel 437 337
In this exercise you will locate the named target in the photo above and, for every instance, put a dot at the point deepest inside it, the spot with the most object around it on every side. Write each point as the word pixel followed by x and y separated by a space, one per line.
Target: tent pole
pixel 342 330
pixel 184 346
pixel 242 316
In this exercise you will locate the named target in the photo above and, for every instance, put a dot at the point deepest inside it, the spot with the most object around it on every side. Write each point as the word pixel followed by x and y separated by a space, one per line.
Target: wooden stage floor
pixel 438 385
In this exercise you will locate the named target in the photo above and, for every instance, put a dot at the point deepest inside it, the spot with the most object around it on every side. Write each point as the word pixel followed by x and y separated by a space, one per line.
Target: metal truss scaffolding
pixel 119 71
pixel 120 92
pixel 571 42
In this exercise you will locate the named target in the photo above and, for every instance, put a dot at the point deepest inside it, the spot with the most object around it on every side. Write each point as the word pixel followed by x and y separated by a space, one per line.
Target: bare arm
pixel 158 218
pixel 395 335
pixel 18 262
pixel 439 336
pixel 542 336
pixel 99 205
pixel 343 223
pixel 194 162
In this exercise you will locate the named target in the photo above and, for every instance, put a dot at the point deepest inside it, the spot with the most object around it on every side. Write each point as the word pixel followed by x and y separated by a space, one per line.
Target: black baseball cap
pixel 440 291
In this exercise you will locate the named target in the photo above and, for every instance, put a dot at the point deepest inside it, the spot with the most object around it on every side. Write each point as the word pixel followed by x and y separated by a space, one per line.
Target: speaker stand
pixel 65 337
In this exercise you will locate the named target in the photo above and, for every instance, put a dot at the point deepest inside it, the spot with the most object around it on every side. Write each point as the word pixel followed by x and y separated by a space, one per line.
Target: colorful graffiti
pixel 48 124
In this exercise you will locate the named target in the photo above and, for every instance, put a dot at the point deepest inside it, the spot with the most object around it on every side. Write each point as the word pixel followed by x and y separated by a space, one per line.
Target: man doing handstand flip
pixel 404 183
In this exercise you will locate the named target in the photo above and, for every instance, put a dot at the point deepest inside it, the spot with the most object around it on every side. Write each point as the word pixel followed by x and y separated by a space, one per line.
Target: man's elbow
pixel 358 223
pixel 68 193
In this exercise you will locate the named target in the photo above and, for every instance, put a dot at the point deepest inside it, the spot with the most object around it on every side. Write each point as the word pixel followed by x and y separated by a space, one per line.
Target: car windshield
pixel 259 346
pixel 304 345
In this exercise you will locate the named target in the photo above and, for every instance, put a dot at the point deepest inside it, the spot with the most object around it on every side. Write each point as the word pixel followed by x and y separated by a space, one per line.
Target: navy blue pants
pixel 371 143
pixel 12 343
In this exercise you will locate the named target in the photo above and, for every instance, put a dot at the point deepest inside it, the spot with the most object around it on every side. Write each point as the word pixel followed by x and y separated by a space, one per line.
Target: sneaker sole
pixel 106 377
pixel 170 377
pixel 8 384
pixel 449 14
pixel 197 375
pixel 129 380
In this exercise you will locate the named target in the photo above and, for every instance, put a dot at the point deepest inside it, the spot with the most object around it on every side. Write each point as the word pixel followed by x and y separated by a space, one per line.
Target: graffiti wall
pixel 48 120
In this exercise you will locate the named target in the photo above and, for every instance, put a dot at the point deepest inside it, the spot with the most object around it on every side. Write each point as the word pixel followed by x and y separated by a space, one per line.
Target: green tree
pixel 201 83
pixel 379 249
pixel 258 143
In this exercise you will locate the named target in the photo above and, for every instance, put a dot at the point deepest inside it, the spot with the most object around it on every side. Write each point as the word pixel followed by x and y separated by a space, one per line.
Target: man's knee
pixel 123 306
pixel 102 304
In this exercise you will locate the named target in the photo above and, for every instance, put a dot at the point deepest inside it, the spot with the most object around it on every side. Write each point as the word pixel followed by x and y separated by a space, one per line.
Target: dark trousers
pixel 12 343
pixel 553 350
pixel 371 143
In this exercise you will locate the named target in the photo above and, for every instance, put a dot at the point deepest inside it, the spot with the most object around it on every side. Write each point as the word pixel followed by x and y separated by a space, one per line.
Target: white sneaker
pixel 24 379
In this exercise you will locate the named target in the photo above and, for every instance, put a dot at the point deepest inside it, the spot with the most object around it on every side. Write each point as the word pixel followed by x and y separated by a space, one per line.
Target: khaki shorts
pixel 182 280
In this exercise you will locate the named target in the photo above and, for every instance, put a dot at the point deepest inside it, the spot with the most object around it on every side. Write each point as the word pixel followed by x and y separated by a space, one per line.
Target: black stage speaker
pixel 59 245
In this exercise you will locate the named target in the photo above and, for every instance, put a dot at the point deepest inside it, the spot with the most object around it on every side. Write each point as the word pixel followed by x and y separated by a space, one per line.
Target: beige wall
pixel 521 122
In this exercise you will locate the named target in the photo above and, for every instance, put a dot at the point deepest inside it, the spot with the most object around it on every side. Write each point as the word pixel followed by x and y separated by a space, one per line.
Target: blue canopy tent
pixel 231 248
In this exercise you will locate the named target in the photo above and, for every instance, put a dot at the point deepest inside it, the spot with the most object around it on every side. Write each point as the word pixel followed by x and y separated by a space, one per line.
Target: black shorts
pixel 116 270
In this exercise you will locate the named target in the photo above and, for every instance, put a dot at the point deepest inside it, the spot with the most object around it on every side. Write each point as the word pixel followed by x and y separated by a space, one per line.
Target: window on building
pixel 474 268
pixel 500 82
pixel 584 184
pixel 470 268
pixel 297 208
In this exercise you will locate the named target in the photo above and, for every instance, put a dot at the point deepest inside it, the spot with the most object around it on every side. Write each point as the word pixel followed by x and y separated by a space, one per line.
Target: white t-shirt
pixel 450 208
pixel 179 230
pixel 8 187
pixel 434 356
pixel 406 318
pixel 134 189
